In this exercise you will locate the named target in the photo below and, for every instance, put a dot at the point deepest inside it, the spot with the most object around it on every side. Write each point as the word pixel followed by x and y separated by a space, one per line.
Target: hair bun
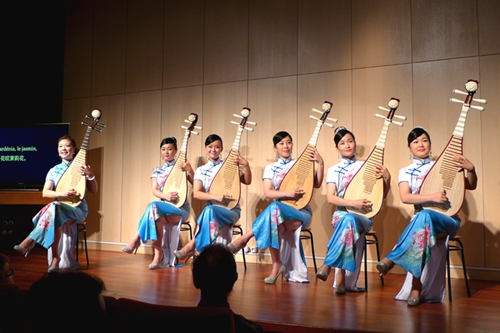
pixel 340 128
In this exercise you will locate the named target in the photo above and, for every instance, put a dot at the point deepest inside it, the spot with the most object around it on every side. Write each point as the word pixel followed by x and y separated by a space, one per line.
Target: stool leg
pixel 378 257
pixel 76 245
pixel 85 243
pixel 448 270
pixel 366 266
pixel 313 253
pixel 243 250
pixel 464 266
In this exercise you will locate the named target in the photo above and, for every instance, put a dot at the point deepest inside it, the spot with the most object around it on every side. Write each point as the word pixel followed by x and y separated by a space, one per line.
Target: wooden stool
pixel 307 234
pixel 82 227
pixel 456 246
pixel 370 241
pixel 186 226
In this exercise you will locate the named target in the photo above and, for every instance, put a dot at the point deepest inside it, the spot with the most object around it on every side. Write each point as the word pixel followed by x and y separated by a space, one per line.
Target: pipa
pixel 227 179
pixel 365 184
pixel 72 177
pixel 301 174
pixel 177 179
pixel 444 174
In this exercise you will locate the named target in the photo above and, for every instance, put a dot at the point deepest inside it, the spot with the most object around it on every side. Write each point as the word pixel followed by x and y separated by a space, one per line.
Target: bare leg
pixel 132 244
pixel 416 288
pixel 341 278
pixel 27 243
pixel 188 248
pixel 325 268
pixel 384 266
pixel 159 240
pixel 55 248
pixel 275 257
pixel 275 253
pixel 241 241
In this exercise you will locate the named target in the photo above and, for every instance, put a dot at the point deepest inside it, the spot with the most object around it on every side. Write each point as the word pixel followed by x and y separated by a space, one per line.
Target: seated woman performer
pixel 346 246
pixel 49 221
pixel 215 222
pixel 414 249
pixel 278 226
pixel 161 221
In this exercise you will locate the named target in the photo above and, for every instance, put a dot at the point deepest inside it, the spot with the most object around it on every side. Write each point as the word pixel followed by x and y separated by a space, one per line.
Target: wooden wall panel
pixel 489 26
pixel 109 47
pixel 78 51
pixel 490 177
pixel 183 45
pixel 144 45
pixel 324 35
pixel 142 119
pixel 220 55
pixel 226 41
pixel 106 226
pixel 381 33
pixel 444 29
pixel 272 38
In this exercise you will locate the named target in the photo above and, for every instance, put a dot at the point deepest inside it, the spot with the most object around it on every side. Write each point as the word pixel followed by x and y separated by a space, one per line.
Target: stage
pixel 287 306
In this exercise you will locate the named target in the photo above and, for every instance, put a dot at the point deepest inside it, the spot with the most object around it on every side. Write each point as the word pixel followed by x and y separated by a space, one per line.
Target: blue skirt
pixel 211 221
pixel 342 245
pixel 413 249
pixel 154 211
pixel 265 226
pixel 53 216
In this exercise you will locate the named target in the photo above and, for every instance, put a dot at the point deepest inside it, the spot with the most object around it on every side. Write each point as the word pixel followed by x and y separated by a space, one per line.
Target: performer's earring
pixel 411 157
pixel 430 155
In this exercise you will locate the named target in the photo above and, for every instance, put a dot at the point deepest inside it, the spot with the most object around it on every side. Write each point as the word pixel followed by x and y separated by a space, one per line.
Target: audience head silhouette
pixel 6 271
pixel 214 273
pixel 63 295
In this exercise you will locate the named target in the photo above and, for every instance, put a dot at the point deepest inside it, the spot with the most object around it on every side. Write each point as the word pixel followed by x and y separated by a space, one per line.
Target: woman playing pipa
pixel 162 218
pixel 346 246
pixel 69 205
pixel 427 227
pixel 278 226
pixel 414 247
pixel 217 218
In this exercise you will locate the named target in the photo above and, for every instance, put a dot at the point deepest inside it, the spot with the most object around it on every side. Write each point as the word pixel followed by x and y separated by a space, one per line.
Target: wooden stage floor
pixel 287 306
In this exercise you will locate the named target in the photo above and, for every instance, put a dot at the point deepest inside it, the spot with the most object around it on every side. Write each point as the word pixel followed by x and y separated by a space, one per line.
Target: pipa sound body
pixel 227 179
pixel 177 179
pixel 301 174
pixel 444 174
pixel 365 184
pixel 72 177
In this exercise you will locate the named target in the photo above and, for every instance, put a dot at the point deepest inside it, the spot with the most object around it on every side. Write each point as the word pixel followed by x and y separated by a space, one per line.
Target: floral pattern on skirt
pixel 210 222
pixel 414 246
pixel 53 216
pixel 342 245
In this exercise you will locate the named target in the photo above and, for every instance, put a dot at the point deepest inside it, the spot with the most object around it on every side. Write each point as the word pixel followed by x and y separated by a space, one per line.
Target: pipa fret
pixel 177 179
pixel 365 184
pixel 227 179
pixel 444 174
pixel 301 174
pixel 72 177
